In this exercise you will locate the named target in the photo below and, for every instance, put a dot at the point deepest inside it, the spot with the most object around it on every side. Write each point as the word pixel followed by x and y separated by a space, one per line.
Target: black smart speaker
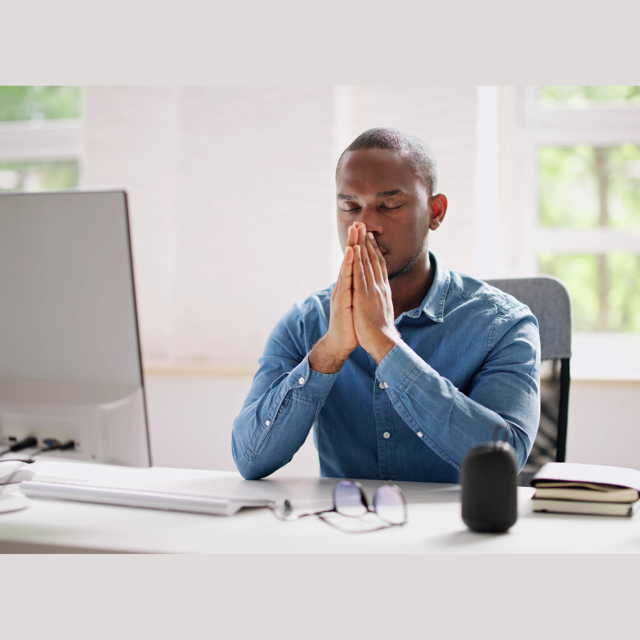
pixel 490 487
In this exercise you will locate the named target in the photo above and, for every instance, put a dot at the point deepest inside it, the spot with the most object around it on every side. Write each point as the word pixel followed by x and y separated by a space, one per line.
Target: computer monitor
pixel 70 363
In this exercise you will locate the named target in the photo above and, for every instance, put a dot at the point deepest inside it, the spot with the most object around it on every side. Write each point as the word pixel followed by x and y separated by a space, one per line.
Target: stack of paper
pixel 564 487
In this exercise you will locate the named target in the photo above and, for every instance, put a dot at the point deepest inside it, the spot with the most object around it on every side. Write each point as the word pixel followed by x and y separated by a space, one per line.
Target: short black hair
pixel 384 138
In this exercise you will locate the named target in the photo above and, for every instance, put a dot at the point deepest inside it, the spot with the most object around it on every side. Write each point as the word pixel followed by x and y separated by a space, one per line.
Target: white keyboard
pixel 149 499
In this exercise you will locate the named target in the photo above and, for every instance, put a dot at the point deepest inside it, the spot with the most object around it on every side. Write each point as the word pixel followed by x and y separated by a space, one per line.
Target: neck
pixel 409 289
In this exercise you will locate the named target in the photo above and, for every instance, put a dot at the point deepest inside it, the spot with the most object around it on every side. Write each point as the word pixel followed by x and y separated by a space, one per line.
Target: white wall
pixel 255 219
pixel 131 140
pixel 232 212
pixel 232 197
pixel 603 422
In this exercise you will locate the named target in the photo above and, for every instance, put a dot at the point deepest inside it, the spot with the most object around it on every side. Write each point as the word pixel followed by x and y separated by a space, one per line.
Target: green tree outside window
pixel 39 103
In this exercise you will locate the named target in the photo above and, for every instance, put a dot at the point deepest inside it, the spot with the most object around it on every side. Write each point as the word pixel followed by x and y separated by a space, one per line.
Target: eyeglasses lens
pixel 389 504
pixel 349 500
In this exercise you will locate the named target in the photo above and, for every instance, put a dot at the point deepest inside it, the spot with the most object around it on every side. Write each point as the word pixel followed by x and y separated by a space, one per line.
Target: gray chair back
pixel 549 301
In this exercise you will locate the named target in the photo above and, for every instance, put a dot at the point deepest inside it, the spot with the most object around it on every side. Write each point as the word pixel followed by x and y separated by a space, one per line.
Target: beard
pixel 409 265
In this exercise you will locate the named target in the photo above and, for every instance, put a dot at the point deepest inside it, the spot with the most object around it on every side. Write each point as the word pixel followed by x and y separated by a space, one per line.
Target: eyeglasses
pixel 350 500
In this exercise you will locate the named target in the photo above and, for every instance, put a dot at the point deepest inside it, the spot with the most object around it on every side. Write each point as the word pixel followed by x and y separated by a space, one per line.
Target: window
pixel 587 160
pixel 39 138
pixel 569 206
pixel 592 194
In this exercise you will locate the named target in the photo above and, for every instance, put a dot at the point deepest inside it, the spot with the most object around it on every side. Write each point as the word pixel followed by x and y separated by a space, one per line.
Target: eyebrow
pixel 385 194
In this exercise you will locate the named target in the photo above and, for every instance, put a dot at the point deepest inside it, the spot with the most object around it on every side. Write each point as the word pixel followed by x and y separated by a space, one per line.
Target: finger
pixel 383 264
pixel 351 235
pixel 359 280
pixel 346 292
pixel 356 234
pixel 374 253
pixel 366 263
pixel 347 279
pixel 346 271
pixel 363 234
pixel 381 260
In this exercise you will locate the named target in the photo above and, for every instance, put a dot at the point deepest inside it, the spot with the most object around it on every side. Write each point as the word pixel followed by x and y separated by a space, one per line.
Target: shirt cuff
pixel 400 367
pixel 309 381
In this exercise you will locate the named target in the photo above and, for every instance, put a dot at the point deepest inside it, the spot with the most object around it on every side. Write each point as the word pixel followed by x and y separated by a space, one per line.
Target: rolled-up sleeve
pixel 284 400
pixel 504 392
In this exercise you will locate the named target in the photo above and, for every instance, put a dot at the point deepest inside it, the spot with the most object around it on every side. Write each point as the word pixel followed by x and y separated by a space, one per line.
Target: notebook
pixel 563 487
pixel 585 476
pixel 585 508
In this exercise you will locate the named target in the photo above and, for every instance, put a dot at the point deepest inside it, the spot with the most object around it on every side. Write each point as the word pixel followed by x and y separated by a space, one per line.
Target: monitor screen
pixel 71 364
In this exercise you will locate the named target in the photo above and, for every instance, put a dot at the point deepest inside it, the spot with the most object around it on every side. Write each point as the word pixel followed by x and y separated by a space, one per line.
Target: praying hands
pixel 361 306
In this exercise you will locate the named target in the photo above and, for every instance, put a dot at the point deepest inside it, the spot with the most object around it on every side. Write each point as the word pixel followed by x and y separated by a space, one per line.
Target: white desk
pixel 434 525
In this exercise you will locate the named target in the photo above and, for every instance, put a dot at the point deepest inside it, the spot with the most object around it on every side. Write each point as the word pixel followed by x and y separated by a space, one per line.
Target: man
pixel 402 365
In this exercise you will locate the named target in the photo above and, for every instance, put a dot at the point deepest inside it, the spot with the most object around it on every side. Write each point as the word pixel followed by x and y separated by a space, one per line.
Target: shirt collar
pixel 432 304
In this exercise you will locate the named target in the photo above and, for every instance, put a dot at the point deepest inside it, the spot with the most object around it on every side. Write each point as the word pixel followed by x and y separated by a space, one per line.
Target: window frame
pixel 40 141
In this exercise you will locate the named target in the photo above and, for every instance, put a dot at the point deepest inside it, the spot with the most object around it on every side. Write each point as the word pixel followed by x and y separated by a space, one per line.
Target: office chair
pixel 549 301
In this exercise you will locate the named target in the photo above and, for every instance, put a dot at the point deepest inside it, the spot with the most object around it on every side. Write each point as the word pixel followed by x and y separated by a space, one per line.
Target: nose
pixel 371 218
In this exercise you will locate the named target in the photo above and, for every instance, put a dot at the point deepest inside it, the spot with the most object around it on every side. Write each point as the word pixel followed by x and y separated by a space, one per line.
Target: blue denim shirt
pixel 468 362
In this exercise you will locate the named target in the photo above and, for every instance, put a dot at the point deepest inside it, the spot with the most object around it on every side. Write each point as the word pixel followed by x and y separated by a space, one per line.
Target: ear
pixel 438 205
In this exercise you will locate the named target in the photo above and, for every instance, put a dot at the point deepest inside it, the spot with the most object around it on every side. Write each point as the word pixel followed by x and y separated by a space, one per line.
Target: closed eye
pixel 383 207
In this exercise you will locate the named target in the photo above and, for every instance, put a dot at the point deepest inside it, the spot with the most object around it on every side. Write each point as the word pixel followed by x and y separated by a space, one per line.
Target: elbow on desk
pixel 254 469
pixel 249 469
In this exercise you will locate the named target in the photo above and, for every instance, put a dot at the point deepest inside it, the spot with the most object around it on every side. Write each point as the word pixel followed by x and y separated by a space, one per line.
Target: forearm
pixel 274 423
pixel 449 421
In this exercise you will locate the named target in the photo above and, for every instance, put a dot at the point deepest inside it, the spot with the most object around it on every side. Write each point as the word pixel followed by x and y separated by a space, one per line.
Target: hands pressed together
pixel 361 306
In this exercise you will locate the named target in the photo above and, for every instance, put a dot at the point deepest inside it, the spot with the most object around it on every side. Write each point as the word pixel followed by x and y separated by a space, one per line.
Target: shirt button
pixel 383 385
pixel 419 434
pixel 386 435
pixel 268 423
pixel 300 380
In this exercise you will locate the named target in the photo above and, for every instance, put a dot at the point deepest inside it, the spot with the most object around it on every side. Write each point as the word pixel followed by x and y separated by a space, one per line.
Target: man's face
pixel 380 188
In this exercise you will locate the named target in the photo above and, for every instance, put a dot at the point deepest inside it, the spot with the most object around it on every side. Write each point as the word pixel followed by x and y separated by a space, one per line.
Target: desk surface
pixel 434 525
